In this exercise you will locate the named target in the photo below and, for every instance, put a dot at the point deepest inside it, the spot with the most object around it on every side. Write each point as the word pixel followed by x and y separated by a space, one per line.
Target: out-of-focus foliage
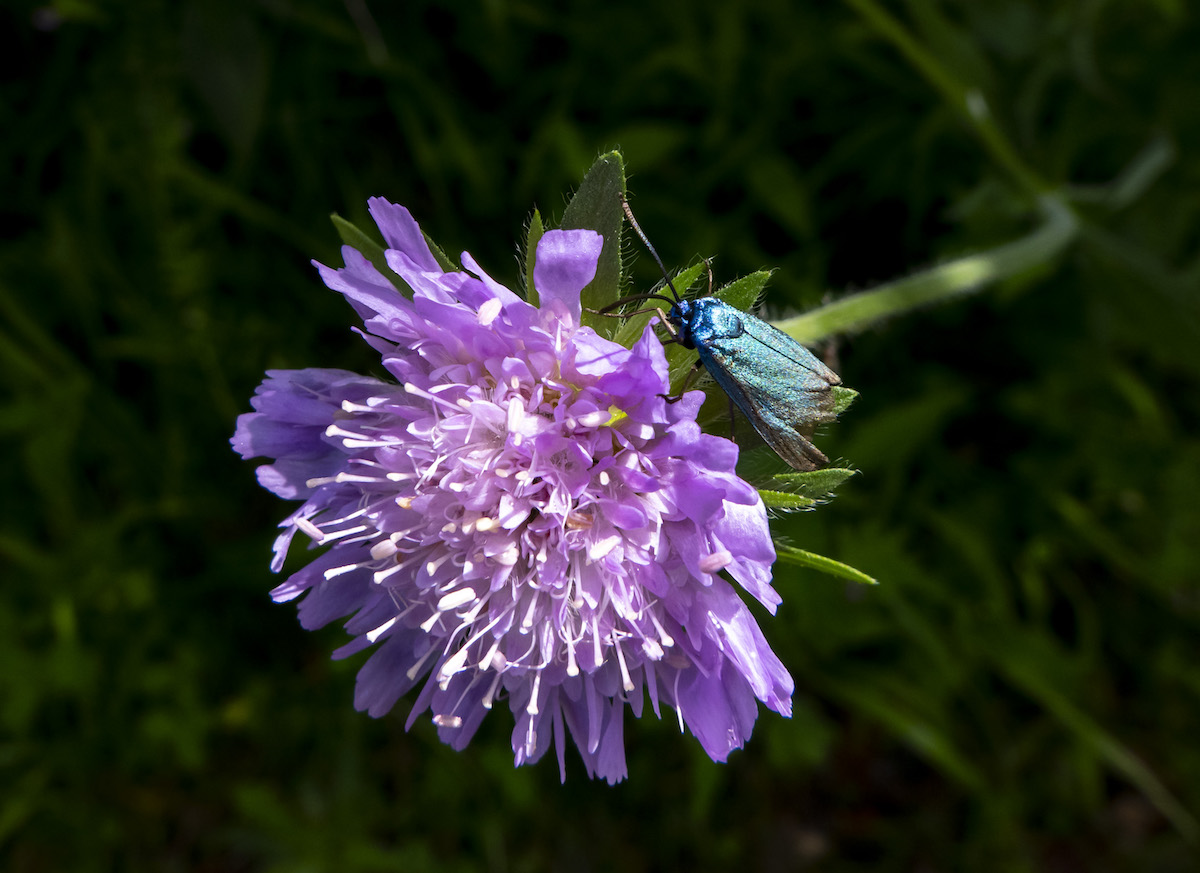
pixel 1020 692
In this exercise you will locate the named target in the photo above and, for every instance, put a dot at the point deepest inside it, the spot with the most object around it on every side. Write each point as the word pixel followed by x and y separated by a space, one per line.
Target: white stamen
pixel 381 630
pixel 342 478
pixel 339 571
pixel 416 669
pixel 665 638
pixel 532 708
pixel 488 661
pixel 626 681
pixel 368 444
pixel 383 549
pixel 572 667
pixel 380 575
pixel 594 419
pixel 432 567
pixel 488 311
pixel 531 739
pixel 715 562
pixel 452 665
pixel 596 642
pixel 314 533
pixel 602 547
pixel 604 478
pixel 455 599
pixel 491 692
pixel 342 534
pixel 527 621
pixel 447 721
pixel 431 469
pixel 485 524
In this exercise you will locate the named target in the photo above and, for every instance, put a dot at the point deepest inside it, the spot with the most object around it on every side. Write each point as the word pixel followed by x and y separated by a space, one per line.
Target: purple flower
pixel 520 514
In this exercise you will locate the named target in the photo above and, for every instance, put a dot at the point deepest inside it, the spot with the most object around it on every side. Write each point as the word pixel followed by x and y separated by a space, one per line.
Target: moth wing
pixel 778 384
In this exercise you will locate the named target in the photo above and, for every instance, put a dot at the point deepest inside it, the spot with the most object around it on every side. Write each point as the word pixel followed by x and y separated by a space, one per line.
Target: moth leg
pixel 663 320
pixel 687 382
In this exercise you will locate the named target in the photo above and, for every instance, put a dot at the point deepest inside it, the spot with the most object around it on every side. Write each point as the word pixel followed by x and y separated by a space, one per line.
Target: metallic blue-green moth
pixel 777 383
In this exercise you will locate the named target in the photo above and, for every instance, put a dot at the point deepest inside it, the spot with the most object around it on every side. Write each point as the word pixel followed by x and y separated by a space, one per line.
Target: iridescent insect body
pixel 778 384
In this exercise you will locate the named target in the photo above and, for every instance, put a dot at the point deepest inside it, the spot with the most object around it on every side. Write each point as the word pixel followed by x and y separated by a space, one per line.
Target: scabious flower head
pixel 518 513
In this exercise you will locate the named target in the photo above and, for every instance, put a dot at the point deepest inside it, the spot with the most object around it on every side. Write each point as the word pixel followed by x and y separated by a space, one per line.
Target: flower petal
pixel 565 262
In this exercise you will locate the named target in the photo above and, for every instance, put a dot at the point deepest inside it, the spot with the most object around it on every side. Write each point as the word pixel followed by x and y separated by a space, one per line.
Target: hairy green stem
pixel 954 278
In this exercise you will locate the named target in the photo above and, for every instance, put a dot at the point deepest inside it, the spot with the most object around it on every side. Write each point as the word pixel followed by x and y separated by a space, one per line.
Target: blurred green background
pixel 1022 691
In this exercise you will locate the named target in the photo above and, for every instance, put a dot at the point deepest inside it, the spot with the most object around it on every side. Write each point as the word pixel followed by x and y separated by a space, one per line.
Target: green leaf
pixel 440 256
pixel 814 483
pixel 744 293
pixel 597 206
pixel 355 238
pixel 801 558
pixel 532 234
pixel 842 398
pixel 785 500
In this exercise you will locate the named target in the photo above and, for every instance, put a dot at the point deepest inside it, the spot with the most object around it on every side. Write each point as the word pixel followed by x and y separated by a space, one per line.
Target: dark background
pixel 1022 691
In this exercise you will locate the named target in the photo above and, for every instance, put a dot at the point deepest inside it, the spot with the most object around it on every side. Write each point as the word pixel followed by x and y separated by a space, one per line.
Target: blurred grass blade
pixel 1144 170
pixel 966 98
pixel 927 738
pixel 1023 666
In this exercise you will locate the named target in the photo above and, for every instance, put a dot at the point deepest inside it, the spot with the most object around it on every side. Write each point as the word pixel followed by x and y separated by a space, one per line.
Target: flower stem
pixel 960 276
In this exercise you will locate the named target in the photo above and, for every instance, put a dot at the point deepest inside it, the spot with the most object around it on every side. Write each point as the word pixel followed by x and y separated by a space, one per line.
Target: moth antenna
pixel 617 304
pixel 641 235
